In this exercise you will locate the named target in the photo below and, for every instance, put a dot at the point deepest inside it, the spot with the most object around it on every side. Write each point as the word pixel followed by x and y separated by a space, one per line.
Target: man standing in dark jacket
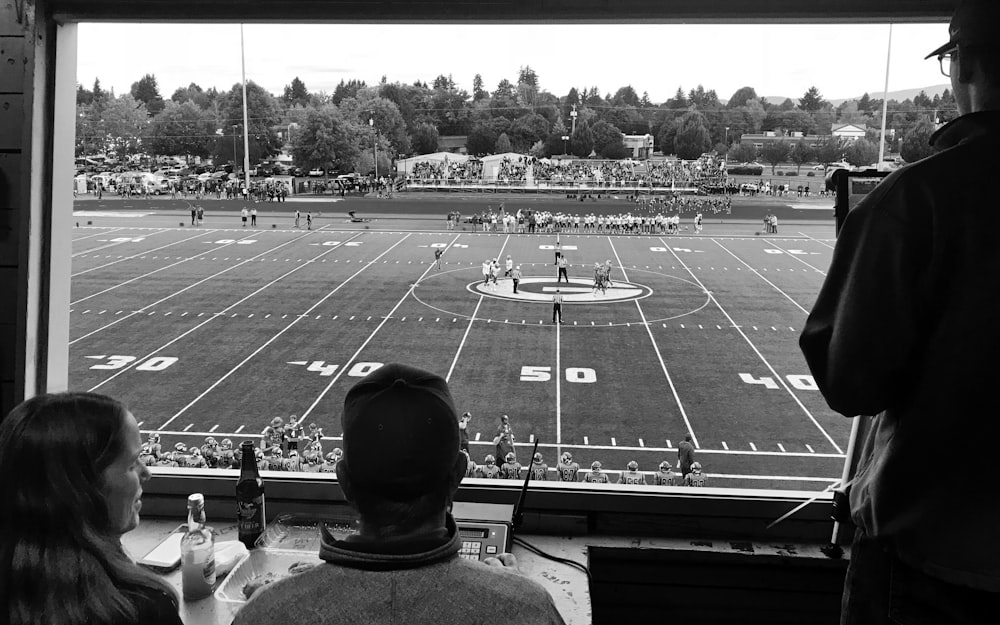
pixel 685 455
pixel 905 328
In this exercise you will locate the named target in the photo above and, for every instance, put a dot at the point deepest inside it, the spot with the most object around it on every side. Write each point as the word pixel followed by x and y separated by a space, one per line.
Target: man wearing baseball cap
pixel 905 328
pixel 403 566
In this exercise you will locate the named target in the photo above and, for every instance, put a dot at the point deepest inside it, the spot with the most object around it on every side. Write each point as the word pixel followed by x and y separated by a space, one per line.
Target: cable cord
pixel 535 550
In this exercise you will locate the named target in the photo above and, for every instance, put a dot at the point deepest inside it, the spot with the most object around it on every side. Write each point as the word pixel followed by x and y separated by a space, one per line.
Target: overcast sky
pixel 777 60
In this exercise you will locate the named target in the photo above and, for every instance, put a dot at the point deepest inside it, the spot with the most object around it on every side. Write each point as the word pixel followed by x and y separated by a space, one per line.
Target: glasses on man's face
pixel 946 60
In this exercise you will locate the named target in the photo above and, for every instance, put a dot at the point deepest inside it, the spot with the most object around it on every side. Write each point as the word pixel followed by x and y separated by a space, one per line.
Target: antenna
pixel 519 507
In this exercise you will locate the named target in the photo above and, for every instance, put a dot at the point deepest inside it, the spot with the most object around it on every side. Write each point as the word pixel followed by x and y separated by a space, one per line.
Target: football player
pixel 272 436
pixel 146 457
pixel 470 466
pixel 695 477
pixel 595 476
pixel 539 470
pixel 665 476
pixel 195 460
pixel 489 470
pixel 567 468
pixel 632 475
pixel 511 469
pixel 210 452
pixel 293 462
pixel 227 456
pixel 154 445
pixel 180 454
pixel 293 432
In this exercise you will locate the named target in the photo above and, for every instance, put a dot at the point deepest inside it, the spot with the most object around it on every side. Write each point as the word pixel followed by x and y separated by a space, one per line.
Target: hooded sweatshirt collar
pixel 386 555
pixel 966 128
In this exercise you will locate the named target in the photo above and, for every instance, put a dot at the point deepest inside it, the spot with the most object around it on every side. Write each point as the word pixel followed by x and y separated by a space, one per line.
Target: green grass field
pixel 214 331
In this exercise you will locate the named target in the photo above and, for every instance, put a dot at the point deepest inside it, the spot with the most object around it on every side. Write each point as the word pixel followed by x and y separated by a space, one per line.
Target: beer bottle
pixel 197 552
pixel 249 497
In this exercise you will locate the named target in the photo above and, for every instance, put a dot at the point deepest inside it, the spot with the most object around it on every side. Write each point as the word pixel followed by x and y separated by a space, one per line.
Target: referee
pixel 557 306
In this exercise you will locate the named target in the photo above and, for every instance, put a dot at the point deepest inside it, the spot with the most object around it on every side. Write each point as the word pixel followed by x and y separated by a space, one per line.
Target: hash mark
pixel 725 446
pixel 668 443
pixel 641 444
pixel 613 442
pixel 214 427
pixel 781 447
pixel 811 450
pixel 189 426
pixel 239 429
pixel 478 434
pixel 586 441
pixel 753 447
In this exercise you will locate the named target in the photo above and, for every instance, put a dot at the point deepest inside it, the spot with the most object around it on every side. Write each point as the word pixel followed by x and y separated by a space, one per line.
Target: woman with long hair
pixel 71 487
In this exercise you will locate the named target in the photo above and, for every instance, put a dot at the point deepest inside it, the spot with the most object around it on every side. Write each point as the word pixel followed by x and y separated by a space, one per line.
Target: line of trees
pixel 333 131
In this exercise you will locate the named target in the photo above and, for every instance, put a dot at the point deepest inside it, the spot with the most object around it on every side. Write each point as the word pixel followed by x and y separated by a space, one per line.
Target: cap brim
pixel 946 47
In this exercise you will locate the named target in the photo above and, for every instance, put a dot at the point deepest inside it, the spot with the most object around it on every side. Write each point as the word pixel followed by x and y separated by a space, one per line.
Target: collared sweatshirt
pixel 907 327
pixel 418 581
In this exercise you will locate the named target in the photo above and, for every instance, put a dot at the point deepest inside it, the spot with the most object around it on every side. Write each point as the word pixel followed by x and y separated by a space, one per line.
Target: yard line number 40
pixel 577 375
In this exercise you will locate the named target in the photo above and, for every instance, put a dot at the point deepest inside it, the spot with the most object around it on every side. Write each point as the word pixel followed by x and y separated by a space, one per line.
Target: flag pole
pixel 246 127
pixel 885 104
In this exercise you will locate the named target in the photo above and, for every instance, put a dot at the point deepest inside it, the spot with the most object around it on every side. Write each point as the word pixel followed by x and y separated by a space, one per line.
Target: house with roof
pixel 848 132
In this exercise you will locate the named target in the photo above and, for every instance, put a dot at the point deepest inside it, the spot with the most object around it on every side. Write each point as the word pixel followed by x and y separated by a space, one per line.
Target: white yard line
pixel 90 236
pixel 145 275
pixel 120 260
pixel 774 286
pixel 559 386
pixel 767 364
pixel 475 312
pixel 350 361
pixel 656 348
pixel 104 247
pixel 795 256
pixel 816 240
pixel 288 327
pixel 190 286
pixel 206 321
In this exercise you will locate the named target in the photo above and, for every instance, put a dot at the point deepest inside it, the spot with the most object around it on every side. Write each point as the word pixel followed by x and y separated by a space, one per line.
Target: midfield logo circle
pixel 578 291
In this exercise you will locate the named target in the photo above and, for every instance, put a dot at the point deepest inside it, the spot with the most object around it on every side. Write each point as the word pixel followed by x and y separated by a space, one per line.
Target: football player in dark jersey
pixel 632 475
pixel 511 469
pixel 539 470
pixel 567 468
pixel 595 476
pixel 489 469
pixel 695 477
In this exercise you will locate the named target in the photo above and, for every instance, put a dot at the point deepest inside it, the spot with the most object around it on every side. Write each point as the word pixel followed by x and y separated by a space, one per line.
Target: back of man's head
pixel 975 31
pixel 401 445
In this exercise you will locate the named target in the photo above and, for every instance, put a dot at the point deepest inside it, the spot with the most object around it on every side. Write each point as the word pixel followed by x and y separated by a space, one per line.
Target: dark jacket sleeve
pixel 862 331
pixel 155 608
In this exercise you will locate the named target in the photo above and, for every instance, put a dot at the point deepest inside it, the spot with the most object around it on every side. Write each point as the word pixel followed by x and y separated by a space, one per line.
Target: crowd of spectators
pixel 470 170
pixel 708 170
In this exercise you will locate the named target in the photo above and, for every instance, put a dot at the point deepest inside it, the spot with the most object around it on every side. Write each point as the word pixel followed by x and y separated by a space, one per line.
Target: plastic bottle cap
pixel 196 499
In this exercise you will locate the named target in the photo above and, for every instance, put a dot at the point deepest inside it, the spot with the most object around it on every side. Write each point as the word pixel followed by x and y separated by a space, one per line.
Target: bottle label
pixel 209 571
pixel 250 515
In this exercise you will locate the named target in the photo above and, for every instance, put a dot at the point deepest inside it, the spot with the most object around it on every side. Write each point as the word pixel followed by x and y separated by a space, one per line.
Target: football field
pixel 212 331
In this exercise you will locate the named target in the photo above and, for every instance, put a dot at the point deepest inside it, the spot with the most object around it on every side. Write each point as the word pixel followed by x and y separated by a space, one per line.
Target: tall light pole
pixel 371 122
pixel 565 138
pixel 246 123
pixel 573 115
pixel 885 105
pixel 235 126
pixel 727 144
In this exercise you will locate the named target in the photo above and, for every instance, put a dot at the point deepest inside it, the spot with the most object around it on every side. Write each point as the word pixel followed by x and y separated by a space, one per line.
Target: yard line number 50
pixel 577 375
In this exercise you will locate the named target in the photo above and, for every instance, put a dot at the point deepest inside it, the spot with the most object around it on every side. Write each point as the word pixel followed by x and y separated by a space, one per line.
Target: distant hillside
pixel 899 96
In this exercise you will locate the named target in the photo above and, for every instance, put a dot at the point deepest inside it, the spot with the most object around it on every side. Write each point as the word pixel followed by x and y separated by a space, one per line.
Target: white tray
pixel 259 562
